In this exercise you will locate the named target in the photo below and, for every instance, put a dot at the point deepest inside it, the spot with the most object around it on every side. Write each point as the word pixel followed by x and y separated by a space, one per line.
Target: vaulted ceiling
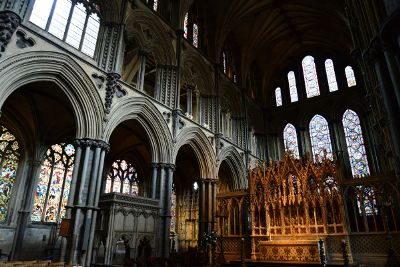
pixel 273 34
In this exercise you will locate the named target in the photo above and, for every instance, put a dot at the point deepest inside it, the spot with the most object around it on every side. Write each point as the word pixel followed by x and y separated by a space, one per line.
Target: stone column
pixel 83 200
pixel 202 208
pixel 24 213
pixel 154 176
pixel 393 71
pixel 189 96
pixel 374 55
pixel 141 70
pixel 304 142
pixel 166 210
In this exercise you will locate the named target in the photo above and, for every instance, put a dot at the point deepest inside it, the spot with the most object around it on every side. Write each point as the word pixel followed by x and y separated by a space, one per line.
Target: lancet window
pixel 310 76
pixel 75 22
pixel 290 140
pixel 292 87
pixel 54 183
pixel 9 158
pixel 278 97
pixel 320 138
pixel 355 144
pixel 351 79
pixel 122 178
pixel 195 35
pixel 331 76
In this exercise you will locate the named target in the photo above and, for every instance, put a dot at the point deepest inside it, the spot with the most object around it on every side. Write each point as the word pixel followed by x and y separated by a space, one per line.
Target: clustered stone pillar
pixel 207 207
pixel 83 200
pixel 161 188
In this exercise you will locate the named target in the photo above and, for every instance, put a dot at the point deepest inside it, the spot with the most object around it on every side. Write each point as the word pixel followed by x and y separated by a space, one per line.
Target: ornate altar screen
pixel 293 204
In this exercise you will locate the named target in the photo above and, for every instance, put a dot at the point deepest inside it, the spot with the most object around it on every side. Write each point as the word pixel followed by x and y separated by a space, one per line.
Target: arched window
pixel 355 144
pixel 278 97
pixel 292 87
pixel 351 79
pixel 310 76
pixel 9 158
pixel 290 140
pixel 195 35
pixel 54 183
pixel 155 5
pixel 320 138
pixel 331 76
pixel 185 25
pixel 77 25
pixel 122 178
pixel 224 61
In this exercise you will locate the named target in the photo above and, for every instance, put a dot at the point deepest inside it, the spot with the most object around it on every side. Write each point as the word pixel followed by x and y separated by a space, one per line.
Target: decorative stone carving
pixel 23 41
pixel 9 22
pixel 85 142
pixel 119 92
pixel 167 116
pixel 112 79
pixel 99 80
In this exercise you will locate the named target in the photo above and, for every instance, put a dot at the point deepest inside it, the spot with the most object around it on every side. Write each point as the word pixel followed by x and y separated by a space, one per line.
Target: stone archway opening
pixel 42 117
pixel 184 229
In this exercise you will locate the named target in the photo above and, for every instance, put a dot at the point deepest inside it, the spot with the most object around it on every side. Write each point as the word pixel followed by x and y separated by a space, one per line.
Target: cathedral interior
pixel 199 133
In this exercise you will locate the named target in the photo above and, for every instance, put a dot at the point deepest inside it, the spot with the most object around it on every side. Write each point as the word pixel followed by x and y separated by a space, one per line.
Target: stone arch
pixel 149 117
pixel 150 35
pixel 199 142
pixel 62 70
pixel 196 71
pixel 236 165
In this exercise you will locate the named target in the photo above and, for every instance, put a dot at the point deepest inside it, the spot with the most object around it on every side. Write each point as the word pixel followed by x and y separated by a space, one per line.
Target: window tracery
pixel 310 77
pixel 195 35
pixel 54 183
pixel 75 22
pixel 9 158
pixel 320 138
pixel 331 76
pixel 290 140
pixel 355 144
pixel 122 178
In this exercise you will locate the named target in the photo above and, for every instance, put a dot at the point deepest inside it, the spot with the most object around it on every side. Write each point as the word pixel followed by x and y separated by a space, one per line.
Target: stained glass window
pixel 79 17
pixel 9 158
pixel 122 178
pixel 351 79
pixel 155 5
pixel 366 201
pixel 54 183
pixel 310 76
pixel 278 97
pixel 292 87
pixel 195 35
pixel 331 76
pixel 185 25
pixel 290 140
pixel 355 144
pixel 320 138
pixel 224 61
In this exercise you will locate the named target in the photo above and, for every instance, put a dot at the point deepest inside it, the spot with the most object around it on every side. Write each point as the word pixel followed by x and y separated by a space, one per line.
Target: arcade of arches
pixel 199 132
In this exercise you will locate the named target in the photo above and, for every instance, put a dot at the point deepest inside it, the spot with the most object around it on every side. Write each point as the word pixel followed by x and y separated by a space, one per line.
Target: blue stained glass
pixel 355 144
pixel 320 138
pixel 290 140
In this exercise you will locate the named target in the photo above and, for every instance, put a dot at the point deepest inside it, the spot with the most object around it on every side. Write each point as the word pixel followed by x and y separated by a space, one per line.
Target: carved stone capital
pixel 374 51
pixel 170 166
pixel 87 142
pixel 9 22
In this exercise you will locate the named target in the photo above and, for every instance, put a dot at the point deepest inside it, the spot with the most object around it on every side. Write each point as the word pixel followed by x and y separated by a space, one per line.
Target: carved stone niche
pixel 9 22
